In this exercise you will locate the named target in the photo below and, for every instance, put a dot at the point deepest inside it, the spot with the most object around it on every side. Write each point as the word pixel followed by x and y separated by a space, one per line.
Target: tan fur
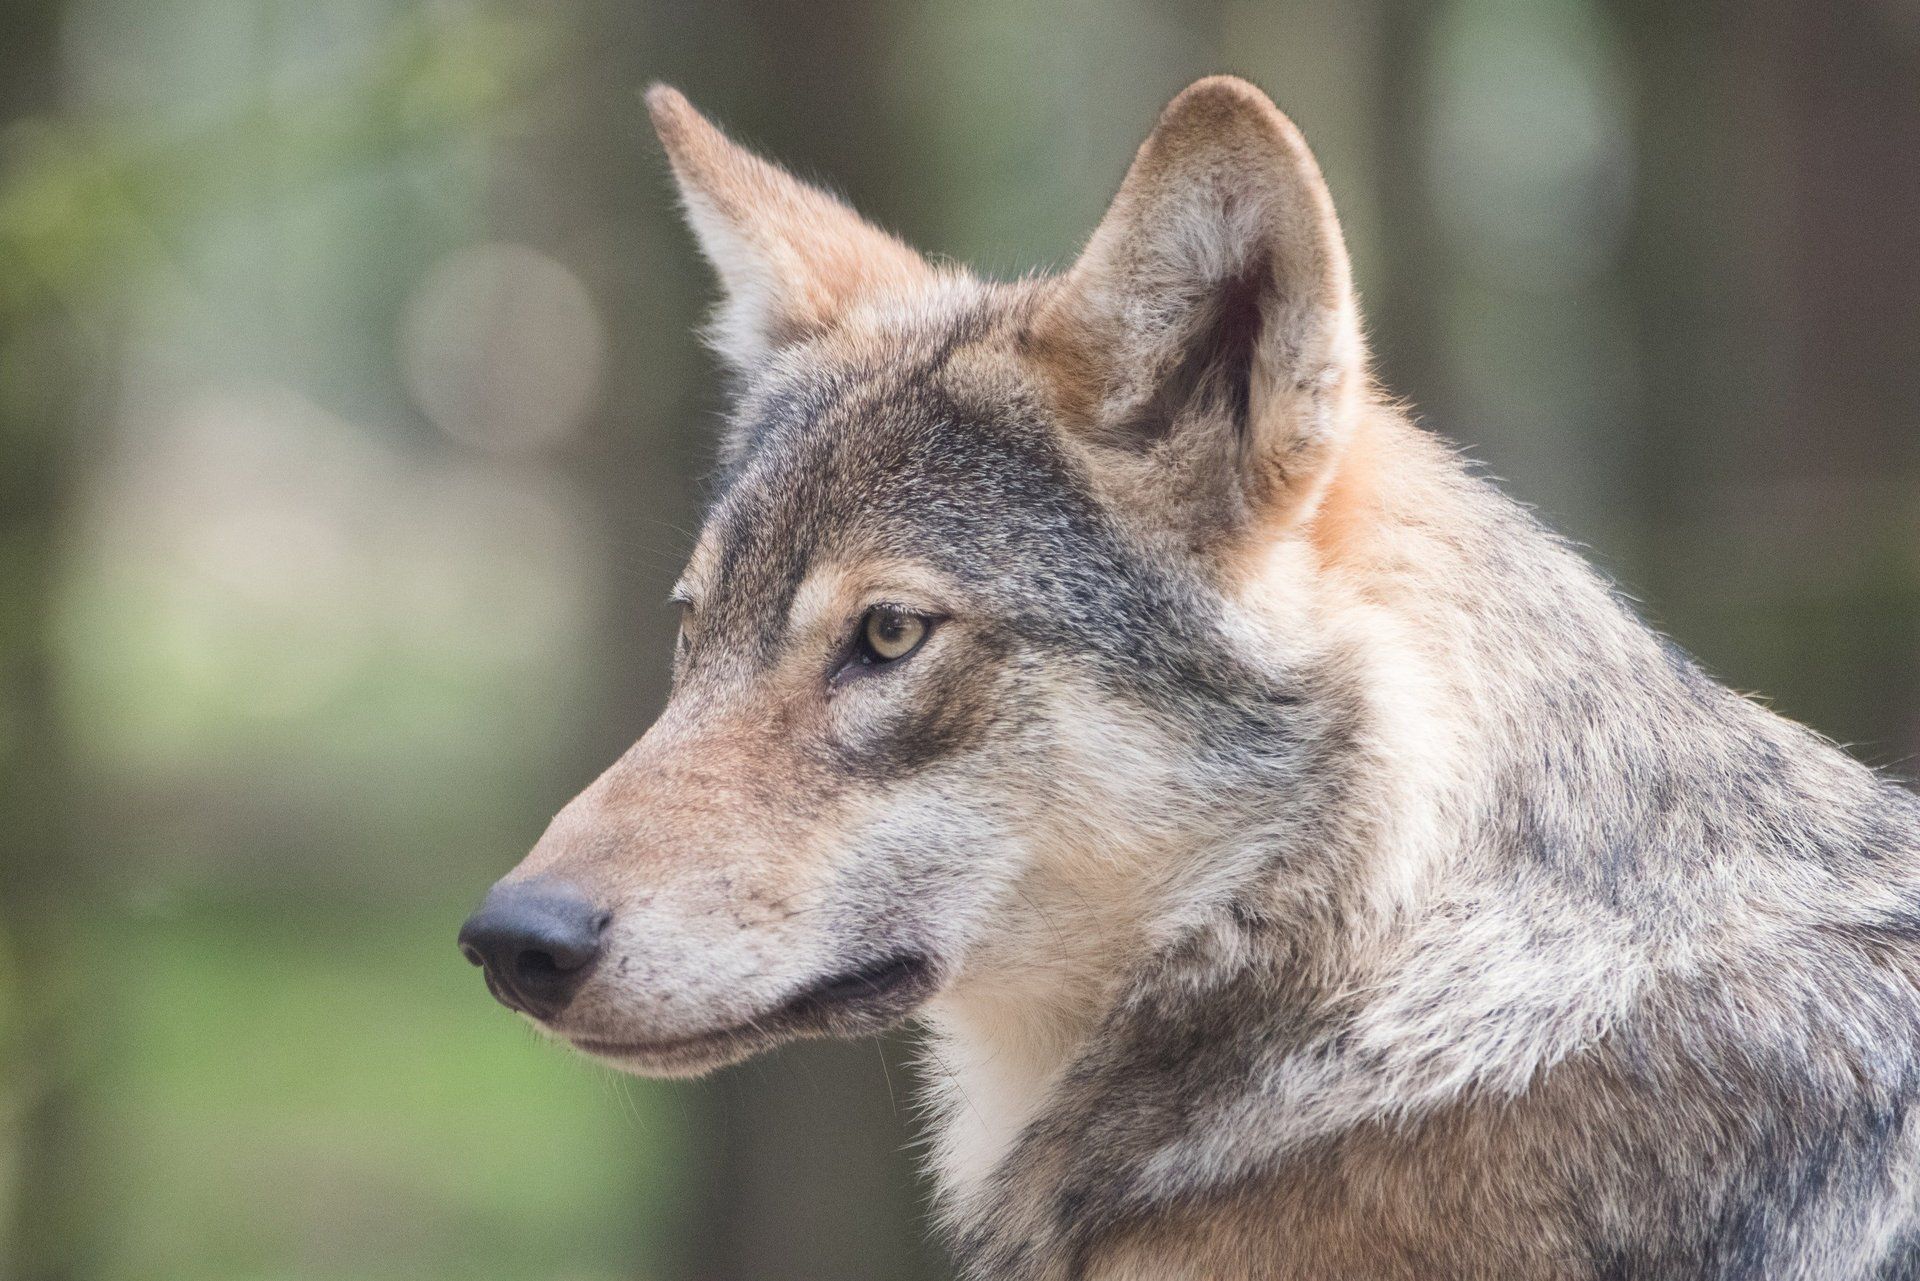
pixel 1304 866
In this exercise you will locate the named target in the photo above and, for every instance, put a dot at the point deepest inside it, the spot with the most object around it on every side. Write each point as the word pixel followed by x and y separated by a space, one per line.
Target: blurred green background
pixel 350 431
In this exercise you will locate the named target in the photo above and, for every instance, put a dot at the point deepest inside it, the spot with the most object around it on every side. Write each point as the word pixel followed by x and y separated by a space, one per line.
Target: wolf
pixel 1304 866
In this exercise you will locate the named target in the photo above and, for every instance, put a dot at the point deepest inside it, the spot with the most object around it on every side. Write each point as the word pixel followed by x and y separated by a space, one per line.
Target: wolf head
pixel 1006 622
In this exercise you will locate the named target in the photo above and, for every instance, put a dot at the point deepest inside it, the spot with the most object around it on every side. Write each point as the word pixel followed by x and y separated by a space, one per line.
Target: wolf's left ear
pixel 1207 342
pixel 791 258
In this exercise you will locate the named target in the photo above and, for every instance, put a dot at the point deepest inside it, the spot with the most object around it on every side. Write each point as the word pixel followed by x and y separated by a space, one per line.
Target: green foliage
pixel 87 205
pixel 328 1096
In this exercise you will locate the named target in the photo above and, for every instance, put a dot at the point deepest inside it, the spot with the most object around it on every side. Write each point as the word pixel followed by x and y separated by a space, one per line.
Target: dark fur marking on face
pixel 949 707
pixel 782 404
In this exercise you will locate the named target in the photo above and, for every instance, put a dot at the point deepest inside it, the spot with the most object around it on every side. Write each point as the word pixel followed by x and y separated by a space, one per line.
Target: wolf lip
pixel 875 983
pixel 654 1049
pixel 867 998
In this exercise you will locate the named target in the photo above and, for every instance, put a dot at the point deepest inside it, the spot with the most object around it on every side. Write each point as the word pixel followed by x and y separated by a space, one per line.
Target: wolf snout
pixel 536 941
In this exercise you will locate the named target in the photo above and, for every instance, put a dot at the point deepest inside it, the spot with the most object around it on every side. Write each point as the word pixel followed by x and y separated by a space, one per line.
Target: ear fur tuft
pixel 792 260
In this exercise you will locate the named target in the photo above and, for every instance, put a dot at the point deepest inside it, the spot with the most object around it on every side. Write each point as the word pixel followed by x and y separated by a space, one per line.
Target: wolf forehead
pixel 922 439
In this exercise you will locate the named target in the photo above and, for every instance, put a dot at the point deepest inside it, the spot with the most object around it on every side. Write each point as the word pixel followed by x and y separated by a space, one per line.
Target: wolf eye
pixel 888 635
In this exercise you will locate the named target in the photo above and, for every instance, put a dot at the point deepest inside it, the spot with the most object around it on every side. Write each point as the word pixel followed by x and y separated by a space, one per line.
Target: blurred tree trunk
pixel 44 1226
pixel 1846 134
pixel 1405 309
pixel 1773 289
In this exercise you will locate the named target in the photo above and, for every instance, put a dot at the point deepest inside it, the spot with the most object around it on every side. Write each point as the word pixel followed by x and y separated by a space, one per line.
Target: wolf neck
pixel 1449 620
pixel 999 1047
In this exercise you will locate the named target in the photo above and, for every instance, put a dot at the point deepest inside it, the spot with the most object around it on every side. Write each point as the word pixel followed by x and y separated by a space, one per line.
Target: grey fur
pixel 1465 928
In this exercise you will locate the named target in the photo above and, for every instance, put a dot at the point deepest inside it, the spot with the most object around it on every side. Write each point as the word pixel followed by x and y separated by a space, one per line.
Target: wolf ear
pixel 1207 341
pixel 791 258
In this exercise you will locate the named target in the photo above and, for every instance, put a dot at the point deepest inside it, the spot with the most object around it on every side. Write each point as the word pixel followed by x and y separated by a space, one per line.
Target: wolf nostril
pixel 536 940
pixel 537 966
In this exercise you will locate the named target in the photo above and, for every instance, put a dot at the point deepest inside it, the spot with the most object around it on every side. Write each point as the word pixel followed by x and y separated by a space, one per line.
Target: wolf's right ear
pixel 1206 345
pixel 791 258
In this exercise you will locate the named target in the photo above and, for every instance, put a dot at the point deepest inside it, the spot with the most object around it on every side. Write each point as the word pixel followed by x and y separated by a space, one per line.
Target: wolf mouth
pixel 867 985
pixel 868 998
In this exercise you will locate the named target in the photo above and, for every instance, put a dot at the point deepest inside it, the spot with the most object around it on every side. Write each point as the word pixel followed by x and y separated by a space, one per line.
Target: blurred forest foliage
pixel 350 427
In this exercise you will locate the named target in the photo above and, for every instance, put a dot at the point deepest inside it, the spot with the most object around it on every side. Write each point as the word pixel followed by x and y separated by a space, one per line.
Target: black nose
pixel 536 940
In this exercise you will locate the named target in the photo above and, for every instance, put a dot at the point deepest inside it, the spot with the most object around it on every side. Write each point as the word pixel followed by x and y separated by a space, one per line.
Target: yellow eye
pixel 889 634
